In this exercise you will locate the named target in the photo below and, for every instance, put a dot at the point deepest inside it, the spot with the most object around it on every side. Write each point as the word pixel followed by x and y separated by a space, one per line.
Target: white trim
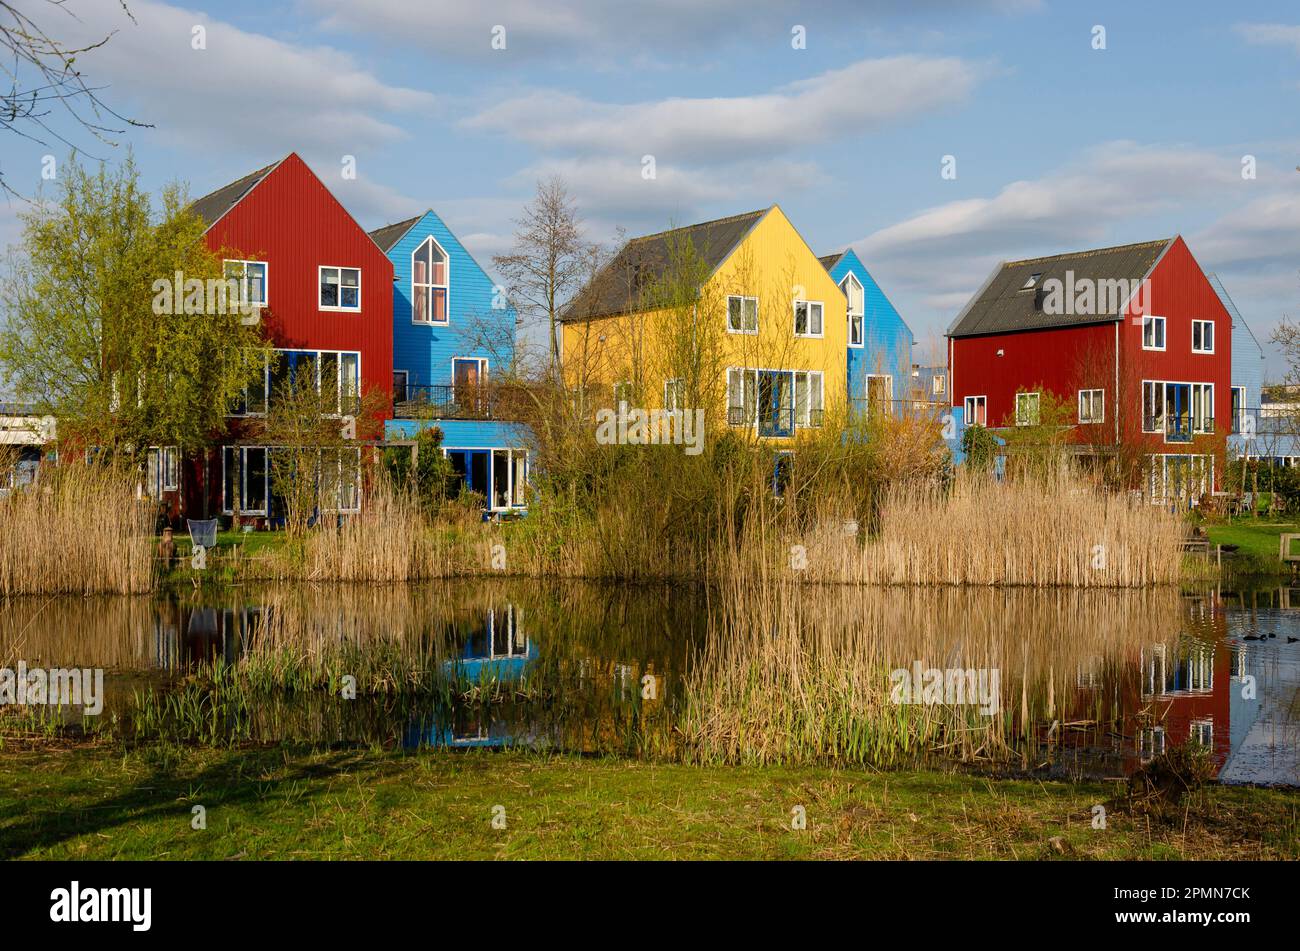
pixel 482 373
pixel 742 298
pixel 320 269
pixel 1203 323
pixel 966 408
pixel 1164 332
pixel 1038 407
pixel 444 287
pixel 1101 394
pixel 243 277
pixel 848 312
pixel 794 317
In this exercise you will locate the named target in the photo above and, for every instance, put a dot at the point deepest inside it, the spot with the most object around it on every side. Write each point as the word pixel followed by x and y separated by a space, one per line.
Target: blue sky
pixel 1058 146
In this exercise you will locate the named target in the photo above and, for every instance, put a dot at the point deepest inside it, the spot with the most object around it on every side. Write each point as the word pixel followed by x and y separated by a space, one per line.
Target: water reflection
pixel 1093 682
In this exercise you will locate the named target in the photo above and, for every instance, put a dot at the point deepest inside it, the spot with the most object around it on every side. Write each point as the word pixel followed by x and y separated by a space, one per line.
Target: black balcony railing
pixel 899 409
pixel 775 422
pixel 444 401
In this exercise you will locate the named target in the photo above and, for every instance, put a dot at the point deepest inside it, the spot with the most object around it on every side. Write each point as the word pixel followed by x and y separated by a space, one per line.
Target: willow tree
pixel 89 339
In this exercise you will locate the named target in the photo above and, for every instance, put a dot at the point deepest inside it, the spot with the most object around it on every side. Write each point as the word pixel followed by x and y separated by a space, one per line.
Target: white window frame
pixel 977 405
pixel 406 384
pixel 338 270
pixel 814 398
pixel 889 387
pixel 1038 406
pixel 482 372
pixel 744 375
pixel 1096 398
pixel 242 278
pixel 1201 325
pixel 675 394
pixel 430 287
pixel 1197 429
pixel 1153 323
pixel 851 313
pixel 821 318
pixel 743 298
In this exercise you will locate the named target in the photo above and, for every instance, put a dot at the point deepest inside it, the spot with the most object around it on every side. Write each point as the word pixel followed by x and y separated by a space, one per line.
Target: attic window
pixel 1033 280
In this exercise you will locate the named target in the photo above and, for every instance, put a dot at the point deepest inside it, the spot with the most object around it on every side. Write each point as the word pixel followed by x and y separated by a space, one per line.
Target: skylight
pixel 1033 279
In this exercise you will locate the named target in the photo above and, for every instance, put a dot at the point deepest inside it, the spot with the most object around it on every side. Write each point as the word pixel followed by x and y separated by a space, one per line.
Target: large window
pixel 1153 333
pixel 340 288
pixel 509 478
pixel 1092 406
pixel 808 408
pixel 1177 410
pixel 976 408
pixel 162 471
pixel 335 374
pixel 742 315
pixel 245 480
pixel 807 318
pixel 250 277
pixel 1027 409
pixel 852 289
pixel 429 280
pixel 1202 336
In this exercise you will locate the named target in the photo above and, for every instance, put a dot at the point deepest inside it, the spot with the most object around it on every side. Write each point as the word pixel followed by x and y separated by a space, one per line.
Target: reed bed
pixel 791 676
pixel 80 531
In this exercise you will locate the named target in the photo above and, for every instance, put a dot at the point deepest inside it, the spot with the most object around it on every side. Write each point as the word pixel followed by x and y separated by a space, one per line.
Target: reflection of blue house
pixel 497 650
pixel 453 332
pixel 880 342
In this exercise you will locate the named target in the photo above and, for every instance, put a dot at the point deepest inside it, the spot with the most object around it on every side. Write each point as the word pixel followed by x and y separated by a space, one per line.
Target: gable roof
pixel 389 235
pixel 648 258
pixel 830 260
pixel 1003 304
pixel 1231 307
pixel 214 205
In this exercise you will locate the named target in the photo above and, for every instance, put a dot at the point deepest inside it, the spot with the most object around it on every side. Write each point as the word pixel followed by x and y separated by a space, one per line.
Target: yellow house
pixel 736 317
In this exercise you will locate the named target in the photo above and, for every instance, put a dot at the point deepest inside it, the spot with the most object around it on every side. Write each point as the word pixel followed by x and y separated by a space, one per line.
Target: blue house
pixel 1247 376
pixel 453 331
pixel 880 342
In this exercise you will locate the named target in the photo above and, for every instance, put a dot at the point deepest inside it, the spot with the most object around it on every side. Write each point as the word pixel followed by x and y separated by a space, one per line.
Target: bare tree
pixel 549 260
pixel 44 82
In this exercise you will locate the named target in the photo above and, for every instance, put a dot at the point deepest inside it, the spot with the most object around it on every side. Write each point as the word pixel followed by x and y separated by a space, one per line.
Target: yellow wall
pixel 774 264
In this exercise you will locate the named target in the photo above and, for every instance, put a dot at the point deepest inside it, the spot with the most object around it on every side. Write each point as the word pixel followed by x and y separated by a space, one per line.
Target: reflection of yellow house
pixel 736 317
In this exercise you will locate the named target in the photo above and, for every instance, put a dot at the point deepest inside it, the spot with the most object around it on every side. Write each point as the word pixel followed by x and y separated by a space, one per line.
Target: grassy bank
pixel 94 803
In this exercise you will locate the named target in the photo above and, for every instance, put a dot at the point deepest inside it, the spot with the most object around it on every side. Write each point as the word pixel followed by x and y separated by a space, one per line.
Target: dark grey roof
pixel 389 235
pixel 830 260
pixel 212 206
pixel 614 289
pixel 1002 305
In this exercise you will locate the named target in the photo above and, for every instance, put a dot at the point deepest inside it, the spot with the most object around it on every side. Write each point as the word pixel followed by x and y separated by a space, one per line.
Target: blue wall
pixel 474 327
pixel 1247 365
pixel 887 340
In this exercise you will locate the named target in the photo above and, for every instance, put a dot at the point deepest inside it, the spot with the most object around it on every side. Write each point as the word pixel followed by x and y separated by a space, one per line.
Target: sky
pixel 846 114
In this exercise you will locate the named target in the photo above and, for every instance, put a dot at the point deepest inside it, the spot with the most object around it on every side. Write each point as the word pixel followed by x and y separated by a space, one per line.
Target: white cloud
pixel 245 92
pixel 1270 34
pixel 834 105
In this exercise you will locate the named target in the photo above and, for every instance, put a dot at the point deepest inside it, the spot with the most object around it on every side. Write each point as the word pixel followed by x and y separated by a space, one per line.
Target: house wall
pixel 772 263
pixel 887 339
pixel 1180 292
pixel 474 327
pixel 293 222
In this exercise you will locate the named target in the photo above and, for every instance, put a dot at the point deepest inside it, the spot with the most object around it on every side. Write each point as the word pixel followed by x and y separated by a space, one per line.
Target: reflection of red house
pixel 1134 341
pixel 325 290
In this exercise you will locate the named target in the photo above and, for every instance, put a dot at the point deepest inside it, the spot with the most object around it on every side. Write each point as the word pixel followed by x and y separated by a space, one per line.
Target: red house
pixel 325 294
pixel 1133 339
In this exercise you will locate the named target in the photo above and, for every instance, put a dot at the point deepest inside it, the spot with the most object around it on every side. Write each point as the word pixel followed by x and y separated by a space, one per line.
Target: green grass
pixel 1256 537
pixel 94 803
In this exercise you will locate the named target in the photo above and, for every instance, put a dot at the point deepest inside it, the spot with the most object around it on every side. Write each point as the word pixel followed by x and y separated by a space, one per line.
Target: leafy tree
pixel 88 337
pixel 430 476
pixel 980 446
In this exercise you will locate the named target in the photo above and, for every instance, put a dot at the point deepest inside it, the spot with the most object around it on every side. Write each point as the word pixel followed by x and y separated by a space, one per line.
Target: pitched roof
pixel 389 235
pixel 830 260
pixel 214 205
pixel 614 289
pixel 1005 304
pixel 1237 319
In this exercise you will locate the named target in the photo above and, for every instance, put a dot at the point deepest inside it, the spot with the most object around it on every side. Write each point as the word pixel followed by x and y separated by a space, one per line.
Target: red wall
pixel 291 221
pixel 1065 360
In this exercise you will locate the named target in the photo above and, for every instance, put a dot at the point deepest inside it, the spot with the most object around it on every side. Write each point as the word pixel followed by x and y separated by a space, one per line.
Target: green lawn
pixel 1254 536
pixel 96 803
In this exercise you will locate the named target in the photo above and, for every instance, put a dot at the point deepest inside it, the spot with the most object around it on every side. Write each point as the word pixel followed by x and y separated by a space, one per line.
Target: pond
pixel 1066 682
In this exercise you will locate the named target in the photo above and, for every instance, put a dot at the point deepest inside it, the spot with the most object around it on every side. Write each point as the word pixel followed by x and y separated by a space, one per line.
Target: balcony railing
pixel 444 401
pixel 780 422
pixel 898 409
pixel 1180 427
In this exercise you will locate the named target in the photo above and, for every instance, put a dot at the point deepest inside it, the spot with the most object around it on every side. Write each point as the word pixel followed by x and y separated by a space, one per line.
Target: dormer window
pixel 429 283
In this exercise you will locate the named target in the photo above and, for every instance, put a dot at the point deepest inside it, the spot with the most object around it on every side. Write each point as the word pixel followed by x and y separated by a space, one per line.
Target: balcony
pixel 898 409
pixel 444 401
pixel 1178 427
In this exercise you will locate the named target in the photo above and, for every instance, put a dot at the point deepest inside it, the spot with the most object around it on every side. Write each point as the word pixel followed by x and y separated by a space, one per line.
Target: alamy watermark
pixel 1090 297
pixel 952 686
pixel 182 295
pixel 58 687
pixel 642 427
